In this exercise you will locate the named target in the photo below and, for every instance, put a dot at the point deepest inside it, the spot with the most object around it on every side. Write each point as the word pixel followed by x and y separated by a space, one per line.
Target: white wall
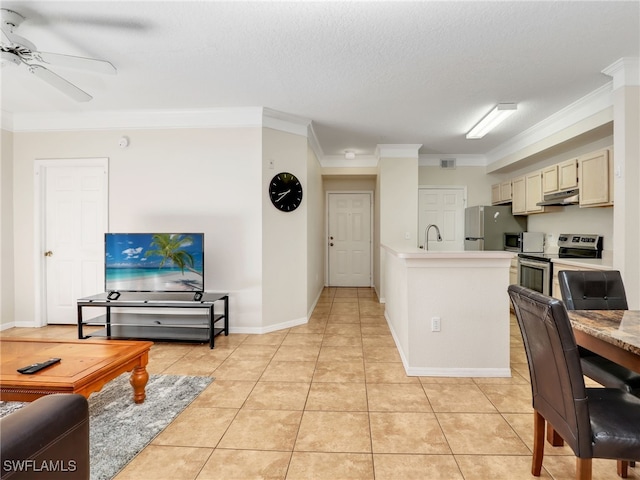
pixel 316 235
pixel 204 180
pixel 350 183
pixel 627 191
pixel 573 219
pixel 398 205
pixel 377 249
pixel 474 178
pixel 284 235
pixel 6 230
pixel 473 340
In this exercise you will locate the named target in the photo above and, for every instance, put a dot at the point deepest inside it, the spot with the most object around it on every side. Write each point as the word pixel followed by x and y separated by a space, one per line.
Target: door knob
pixel 48 253
pixel 330 238
pixel 331 244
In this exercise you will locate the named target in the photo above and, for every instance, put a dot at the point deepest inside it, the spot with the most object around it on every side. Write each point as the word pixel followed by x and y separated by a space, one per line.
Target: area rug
pixel 119 428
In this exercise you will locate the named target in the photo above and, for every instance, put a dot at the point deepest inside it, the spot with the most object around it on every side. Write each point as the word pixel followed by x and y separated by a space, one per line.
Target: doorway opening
pixel 72 216
pixel 349 239
pixel 442 206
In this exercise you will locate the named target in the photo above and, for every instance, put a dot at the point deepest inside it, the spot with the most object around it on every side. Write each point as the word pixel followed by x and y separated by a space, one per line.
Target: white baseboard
pixel 315 302
pixel 271 328
pixel 458 372
pixel 7 326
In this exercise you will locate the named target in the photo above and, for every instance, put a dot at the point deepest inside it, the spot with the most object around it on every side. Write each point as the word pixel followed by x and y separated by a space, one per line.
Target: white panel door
pixel 349 239
pixel 75 210
pixel 443 207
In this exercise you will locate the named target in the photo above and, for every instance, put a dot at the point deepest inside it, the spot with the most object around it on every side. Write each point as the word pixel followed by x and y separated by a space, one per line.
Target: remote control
pixel 36 367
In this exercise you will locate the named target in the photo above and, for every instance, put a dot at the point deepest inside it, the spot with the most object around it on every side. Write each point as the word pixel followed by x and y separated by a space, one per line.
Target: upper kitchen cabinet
pixel 501 193
pixel 596 179
pixel 559 177
pixel 591 174
pixel 527 192
pixel 568 174
pixel 550 179
pixel 534 192
pixel 519 202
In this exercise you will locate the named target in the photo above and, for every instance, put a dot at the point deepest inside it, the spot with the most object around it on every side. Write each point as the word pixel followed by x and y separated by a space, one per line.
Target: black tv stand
pixel 199 323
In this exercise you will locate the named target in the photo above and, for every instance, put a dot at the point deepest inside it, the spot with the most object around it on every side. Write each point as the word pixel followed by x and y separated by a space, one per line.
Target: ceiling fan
pixel 16 50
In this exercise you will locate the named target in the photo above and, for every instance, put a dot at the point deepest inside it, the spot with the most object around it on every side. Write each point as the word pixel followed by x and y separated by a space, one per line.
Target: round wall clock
pixel 285 191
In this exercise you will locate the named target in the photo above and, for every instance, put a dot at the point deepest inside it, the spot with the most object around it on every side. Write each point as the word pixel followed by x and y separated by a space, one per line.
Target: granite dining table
pixel 613 334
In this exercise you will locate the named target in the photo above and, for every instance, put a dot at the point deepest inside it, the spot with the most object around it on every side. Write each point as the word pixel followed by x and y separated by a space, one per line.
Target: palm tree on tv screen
pixel 169 247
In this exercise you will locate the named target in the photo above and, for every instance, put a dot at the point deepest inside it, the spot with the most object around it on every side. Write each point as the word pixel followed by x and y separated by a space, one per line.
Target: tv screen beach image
pixel 154 262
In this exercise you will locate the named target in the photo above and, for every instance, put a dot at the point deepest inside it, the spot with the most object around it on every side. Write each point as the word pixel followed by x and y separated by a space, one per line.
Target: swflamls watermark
pixel 39 465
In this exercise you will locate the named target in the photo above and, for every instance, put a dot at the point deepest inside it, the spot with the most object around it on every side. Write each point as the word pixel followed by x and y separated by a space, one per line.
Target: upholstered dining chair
pixel 594 422
pixel 598 290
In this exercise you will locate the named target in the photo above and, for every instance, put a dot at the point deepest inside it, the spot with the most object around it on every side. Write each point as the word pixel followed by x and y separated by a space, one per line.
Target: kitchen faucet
pixel 426 235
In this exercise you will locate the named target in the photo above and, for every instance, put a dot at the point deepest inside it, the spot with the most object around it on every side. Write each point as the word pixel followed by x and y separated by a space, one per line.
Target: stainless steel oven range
pixel 535 270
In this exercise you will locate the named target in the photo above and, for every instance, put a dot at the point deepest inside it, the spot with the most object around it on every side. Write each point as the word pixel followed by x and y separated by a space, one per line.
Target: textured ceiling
pixel 365 73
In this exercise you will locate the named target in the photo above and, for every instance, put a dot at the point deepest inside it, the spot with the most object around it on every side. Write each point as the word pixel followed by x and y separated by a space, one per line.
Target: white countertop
pixel 595 263
pixel 604 263
pixel 418 253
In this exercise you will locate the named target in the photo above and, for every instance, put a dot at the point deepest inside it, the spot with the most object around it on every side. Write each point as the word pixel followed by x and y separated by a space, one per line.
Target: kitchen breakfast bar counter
pixel 448 311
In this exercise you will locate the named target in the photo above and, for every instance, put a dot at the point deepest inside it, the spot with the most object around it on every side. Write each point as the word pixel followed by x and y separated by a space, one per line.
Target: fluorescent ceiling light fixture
pixel 492 120
pixel 350 155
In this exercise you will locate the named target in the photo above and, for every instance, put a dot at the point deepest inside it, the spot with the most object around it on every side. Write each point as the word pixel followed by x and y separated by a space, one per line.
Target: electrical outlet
pixel 407 235
pixel 435 324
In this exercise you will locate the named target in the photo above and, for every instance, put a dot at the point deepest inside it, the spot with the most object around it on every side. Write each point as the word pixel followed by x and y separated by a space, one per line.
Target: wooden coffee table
pixel 85 367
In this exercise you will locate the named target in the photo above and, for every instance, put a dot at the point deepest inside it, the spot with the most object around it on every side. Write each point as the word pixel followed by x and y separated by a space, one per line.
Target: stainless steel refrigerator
pixel 484 226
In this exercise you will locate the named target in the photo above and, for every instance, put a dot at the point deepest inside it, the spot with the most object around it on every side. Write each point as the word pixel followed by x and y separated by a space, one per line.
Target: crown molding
pixel 139 119
pixel 285 122
pixel 314 143
pixel 398 150
pixel 625 72
pixel 240 117
pixel 591 104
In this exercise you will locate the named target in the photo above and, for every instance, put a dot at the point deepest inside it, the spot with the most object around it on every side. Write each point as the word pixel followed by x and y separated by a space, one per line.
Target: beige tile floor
pixel 330 400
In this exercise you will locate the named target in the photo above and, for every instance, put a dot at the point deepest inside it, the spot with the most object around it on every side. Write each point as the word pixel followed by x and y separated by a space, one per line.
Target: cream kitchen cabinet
pixel 527 192
pixel 501 193
pixel 568 174
pixel 533 192
pixel 550 179
pixel 513 271
pixel 596 179
pixel 519 196
pixel 495 194
pixel 559 177
pixel 592 174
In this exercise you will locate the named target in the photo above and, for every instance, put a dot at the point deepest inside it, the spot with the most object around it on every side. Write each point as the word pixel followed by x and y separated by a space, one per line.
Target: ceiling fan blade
pixel 6 35
pixel 92 64
pixel 19 41
pixel 10 38
pixel 60 83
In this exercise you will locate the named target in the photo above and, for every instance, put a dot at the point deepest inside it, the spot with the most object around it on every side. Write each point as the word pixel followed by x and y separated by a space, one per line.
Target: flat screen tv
pixel 154 262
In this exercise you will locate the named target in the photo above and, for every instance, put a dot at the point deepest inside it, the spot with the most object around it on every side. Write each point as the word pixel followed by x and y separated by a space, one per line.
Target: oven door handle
pixel 534 263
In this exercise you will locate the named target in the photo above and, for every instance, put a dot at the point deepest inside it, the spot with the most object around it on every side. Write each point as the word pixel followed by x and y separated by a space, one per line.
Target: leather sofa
pixel 46 439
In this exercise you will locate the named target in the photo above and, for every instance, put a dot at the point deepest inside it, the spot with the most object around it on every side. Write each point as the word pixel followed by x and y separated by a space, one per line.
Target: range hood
pixel 566 197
